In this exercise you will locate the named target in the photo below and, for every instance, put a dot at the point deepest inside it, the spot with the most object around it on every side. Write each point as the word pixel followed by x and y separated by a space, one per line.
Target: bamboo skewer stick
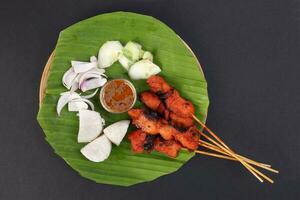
pixel 212 147
pixel 215 155
pixel 242 157
pixel 225 148
pixel 245 158
pixel 250 168
pixel 210 132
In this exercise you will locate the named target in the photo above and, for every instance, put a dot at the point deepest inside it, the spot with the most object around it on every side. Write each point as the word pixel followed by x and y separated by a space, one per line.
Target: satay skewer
pixel 214 148
pixel 210 132
pixel 245 158
pixel 215 155
pixel 219 140
pixel 225 148
pixel 177 104
pixel 252 170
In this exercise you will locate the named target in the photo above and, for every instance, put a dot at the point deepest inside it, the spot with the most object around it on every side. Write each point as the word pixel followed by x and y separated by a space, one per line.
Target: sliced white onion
pixel 93 73
pixel 92 83
pixel 84 67
pixel 65 98
pixel 143 70
pixel 93 59
pixel 116 131
pixel 90 95
pixel 109 53
pixel 97 70
pixel 98 150
pixel 75 106
pixel 86 101
pixel 74 86
pixel 90 125
pixel 75 62
pixel 87 76
pixel 69 77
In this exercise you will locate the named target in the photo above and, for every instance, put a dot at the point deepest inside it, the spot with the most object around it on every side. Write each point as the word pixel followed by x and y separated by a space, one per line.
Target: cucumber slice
pixel 143 69
pixel 148 56
pixel 125 62
pixel 133 51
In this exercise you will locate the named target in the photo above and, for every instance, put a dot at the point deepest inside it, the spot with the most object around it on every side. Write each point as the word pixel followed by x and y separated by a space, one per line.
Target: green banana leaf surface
pixel 82 40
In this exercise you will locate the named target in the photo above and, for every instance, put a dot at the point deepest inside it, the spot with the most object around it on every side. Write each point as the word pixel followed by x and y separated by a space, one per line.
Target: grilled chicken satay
pixel 179 105
pixel 150 124
pixel 181 122
pixel 189 138
pixel 158 85
pixel 168 147
pixel 152 101
pixel 153 126
pixel 174 102
pixel 140 142
pixel 166 130
pixel 137 139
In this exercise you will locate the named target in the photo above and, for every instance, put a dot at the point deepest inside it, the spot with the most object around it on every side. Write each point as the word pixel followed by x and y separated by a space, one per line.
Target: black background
pixel 249 51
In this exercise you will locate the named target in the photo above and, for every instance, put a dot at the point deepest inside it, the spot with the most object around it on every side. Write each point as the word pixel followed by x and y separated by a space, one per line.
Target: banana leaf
pixel 179 67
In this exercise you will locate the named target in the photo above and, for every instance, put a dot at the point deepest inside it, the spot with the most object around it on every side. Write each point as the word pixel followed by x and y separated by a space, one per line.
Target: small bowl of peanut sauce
pixel 118 96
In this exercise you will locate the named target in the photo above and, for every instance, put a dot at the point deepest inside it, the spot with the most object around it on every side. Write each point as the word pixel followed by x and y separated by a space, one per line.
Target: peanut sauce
pixel 118 96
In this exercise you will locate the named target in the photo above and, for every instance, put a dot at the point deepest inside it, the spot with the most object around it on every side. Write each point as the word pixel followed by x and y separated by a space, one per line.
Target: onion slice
pixel 93 59
pixel 65 98
pixel 86 101
pixel 109 53
pixel 84 67
pixel 90 125
pixel 74 86
pixel 75 62
pixel 69 77
pixel 89 96
pixel 92 83
pixel 75 106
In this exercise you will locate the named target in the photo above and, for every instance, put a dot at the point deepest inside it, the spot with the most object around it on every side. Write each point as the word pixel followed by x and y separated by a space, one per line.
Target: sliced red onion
pixel 92 79
pixel 75 106
pixel 97 70
pixel 84 67
pixel 92 83
pixel 69 77
pixel 86 101
pixel 90 95
pixel 65 98
pixel 90 74
pixel 74 86
pixel 93 59
pixel 75 62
